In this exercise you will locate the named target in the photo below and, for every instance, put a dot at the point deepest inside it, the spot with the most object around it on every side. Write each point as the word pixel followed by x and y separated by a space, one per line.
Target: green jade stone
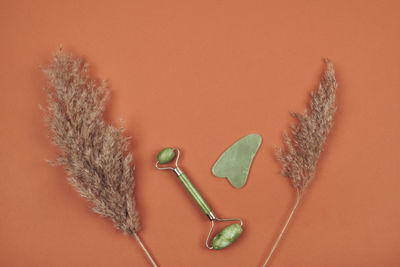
pixel 227 236
pixel 235 162
pixel 166 155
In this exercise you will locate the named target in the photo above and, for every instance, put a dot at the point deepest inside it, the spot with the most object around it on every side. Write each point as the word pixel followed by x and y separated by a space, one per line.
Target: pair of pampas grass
pixel 96 156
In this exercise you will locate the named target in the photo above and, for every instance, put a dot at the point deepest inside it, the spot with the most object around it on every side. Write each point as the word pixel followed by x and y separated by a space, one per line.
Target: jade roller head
pixel 226 236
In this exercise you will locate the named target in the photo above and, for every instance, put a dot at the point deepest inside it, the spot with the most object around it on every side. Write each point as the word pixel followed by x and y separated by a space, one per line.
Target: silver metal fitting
pixel 178 171
pixel 211 216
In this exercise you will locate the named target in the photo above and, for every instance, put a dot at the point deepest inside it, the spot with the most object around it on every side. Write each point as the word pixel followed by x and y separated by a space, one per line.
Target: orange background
pixel 200 75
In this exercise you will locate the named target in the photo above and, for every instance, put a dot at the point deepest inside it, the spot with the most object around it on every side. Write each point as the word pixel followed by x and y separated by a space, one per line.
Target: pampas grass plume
pixel 94 154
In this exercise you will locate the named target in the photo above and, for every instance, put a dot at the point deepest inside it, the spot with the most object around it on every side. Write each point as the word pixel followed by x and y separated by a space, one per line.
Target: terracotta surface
pixel 200 75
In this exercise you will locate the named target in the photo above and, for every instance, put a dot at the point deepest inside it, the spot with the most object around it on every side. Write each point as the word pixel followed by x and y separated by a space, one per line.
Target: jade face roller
pixel 226 236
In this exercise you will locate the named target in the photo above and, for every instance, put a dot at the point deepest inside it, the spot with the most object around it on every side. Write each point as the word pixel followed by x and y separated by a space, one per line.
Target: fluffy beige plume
pixel 304 147
pixel 93 153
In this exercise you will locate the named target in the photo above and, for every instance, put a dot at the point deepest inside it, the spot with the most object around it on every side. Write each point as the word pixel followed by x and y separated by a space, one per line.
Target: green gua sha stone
pixel 235 162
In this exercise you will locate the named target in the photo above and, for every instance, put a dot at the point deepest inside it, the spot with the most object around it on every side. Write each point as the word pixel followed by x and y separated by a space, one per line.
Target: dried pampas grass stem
pixel 303 149
pixel 93 153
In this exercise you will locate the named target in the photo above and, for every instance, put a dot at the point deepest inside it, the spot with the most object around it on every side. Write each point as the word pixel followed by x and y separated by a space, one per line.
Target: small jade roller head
pixel 166 155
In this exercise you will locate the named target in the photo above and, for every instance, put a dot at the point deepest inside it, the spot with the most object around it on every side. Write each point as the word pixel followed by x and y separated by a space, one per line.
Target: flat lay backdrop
pixel 199 75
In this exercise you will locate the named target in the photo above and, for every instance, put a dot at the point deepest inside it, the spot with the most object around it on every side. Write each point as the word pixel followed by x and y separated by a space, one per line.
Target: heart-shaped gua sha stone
pixel 235 162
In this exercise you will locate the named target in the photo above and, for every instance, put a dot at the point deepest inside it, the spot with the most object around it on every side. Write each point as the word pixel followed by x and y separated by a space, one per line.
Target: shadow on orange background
pixel 199 76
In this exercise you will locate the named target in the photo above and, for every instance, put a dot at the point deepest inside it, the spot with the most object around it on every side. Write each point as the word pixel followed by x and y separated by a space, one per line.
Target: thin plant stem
pixel 299 194
pixel 144 249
